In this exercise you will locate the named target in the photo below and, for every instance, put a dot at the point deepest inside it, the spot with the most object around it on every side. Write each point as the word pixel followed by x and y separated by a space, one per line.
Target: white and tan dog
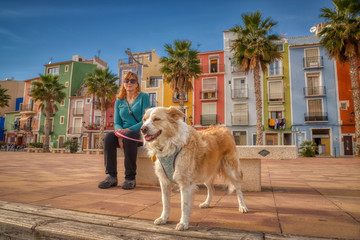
pixel 199 157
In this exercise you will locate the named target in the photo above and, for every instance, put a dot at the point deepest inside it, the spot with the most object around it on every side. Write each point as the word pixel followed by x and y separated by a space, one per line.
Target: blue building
pixel 314 107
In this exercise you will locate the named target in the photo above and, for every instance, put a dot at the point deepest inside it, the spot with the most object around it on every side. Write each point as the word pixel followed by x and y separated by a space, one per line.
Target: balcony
pixel 208 119
pixel 276 123
pixel 26 127
pixel 276 97
pixel 75 130
pixel 316 117
pixel 238 119
pixel 236 69
pixel 17 126
pixel 240 93
pixel 210 69
pixel 27 108
pixel 78 111
pixel 313 62
pixel 208 95
pixel 314 91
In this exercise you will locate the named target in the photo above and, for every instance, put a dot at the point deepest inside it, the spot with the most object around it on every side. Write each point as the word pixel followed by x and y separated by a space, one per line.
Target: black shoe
pixel 128 184
pixel 108 182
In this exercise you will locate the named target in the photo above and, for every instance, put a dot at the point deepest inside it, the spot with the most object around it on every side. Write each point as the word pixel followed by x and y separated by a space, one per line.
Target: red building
pixel 347 114
pixel 209 90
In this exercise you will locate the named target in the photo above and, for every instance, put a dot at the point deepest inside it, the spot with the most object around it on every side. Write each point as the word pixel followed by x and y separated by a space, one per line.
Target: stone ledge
pixel 268 152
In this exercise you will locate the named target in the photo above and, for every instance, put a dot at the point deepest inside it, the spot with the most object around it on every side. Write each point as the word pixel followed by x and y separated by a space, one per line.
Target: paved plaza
pixel 311 197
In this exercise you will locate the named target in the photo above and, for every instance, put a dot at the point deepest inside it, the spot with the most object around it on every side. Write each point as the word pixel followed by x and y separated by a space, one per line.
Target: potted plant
pixel 308 149
pixel 71 145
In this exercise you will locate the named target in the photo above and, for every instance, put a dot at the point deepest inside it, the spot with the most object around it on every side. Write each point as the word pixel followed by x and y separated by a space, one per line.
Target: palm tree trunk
pixel 258 98
pixel 356 99
pixel 47 128
pixel 102 123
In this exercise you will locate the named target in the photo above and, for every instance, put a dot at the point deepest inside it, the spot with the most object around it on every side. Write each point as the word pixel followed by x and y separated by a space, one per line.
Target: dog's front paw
pixel 243 209
pixel 181 226
pixel 160 221
pixel 204 205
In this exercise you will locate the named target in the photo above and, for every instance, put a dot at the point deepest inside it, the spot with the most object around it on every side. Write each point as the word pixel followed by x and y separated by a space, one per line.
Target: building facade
pixel 313 95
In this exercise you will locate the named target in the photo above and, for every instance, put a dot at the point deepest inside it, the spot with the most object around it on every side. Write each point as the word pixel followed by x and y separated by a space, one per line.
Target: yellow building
pixel 171 100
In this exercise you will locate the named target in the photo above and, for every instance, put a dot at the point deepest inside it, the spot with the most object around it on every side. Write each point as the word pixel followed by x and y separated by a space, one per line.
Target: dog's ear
pixel 175 113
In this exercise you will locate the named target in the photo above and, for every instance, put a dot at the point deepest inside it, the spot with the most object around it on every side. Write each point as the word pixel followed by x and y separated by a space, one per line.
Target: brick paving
pixel 312 197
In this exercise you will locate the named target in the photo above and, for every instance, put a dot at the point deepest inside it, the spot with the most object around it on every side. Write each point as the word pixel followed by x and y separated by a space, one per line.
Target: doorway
pixel 348 145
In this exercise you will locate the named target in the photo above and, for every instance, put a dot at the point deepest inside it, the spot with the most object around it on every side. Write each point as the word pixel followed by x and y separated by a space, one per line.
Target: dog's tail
pixel 231 175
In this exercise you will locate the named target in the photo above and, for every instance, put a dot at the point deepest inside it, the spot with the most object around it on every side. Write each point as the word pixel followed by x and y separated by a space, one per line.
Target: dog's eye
pixel 144 119
pixel 157 119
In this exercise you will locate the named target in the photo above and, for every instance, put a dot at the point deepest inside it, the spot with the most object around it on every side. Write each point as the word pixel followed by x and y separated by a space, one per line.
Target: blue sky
pixel 31 32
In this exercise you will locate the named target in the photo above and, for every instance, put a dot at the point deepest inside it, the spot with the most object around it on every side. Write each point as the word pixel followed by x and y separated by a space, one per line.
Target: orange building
pixel 209 90
pixel 347 115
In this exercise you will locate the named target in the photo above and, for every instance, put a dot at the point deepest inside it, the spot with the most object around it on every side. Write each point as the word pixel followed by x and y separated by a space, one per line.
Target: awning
pixel 24 118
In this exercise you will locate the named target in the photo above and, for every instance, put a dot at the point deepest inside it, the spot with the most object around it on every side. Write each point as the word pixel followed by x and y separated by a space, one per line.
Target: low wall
pixel 267 152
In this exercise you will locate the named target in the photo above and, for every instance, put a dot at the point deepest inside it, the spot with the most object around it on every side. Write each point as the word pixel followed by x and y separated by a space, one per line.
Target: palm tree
pixel 4 98
pixel 49 91
pixel 341 37
pixel 253 49
pixel 179 67
pixel 102 84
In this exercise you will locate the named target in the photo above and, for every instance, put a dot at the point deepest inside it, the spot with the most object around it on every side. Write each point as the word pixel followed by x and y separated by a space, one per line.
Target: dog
pixel 199 157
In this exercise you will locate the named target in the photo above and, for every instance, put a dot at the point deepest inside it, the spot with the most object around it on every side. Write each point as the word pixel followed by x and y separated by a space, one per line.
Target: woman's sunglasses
pixel 130 80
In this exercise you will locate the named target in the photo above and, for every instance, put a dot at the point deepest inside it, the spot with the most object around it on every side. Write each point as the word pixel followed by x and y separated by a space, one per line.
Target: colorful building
pixel 208 91
pixel 71 75
pixel 313 95
pixel 276 100
pixel 240 104
pixel 10 127
pixel 346 105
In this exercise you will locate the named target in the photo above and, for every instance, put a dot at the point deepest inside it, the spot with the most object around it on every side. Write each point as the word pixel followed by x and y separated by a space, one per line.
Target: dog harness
pixel 168 164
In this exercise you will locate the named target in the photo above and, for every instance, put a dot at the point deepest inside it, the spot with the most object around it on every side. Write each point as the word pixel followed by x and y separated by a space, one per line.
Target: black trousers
pixel 130 151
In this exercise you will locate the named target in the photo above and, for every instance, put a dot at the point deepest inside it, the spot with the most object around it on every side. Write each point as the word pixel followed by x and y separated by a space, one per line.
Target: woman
pixel 128 113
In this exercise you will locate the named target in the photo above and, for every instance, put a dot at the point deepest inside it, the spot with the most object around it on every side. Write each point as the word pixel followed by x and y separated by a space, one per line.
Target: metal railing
pixel 212 68
pixel 276 97
pixel 208 95
pixel 314 91
pixel 239 119
pixel 238 93
pixel 313 62
pixel 78 111
pixel 316 117
pixel 208 119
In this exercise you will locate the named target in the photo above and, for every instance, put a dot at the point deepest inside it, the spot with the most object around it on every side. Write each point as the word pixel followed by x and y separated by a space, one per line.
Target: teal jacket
pixel 122 116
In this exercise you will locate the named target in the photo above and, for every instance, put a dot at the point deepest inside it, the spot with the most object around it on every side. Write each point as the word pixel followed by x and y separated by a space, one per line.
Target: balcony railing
pixel 26 127
pixel 276 123
pixel 28 107
pixel 313 62
pixel 209 95
pixel 208 119
pixel 316 117
pixel 212 68
pixel 236 69
pixel 75 130
pixel 238 119
pixel 240 93
pixel 17 126
pixel 276 97
pixel 78 111
pixel 314 91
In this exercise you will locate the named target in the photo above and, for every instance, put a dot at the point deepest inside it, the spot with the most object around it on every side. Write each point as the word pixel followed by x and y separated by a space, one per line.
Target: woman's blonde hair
pixel 128 76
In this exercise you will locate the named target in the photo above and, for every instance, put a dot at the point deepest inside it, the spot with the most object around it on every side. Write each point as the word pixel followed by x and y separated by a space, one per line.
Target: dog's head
pixel 161 123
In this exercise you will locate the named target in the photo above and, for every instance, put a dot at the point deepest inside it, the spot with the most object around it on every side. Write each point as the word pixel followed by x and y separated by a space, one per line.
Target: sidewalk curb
pixel 23 221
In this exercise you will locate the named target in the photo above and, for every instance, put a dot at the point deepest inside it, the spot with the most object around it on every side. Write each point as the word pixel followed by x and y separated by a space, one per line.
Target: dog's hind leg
pixel 234 175
pixel 186 205
pixel 165 195
pixel 210 192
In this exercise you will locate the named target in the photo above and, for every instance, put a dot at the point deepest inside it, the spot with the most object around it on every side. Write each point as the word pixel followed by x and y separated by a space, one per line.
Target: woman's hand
pixel 120 139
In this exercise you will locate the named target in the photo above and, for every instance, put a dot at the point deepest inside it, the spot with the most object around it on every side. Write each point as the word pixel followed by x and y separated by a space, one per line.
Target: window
pixel 209 88
pixel 51 124
pixel 78 107
pixel 315 111
pixel 61 141
pixel 97 120
pixel 312 58
pixel 280 47
pixel 240 89
pixel 313 84
pixel 62 103
pixel 214 64
pixel 66 84
pixel 275 68
pixel 240 116
pixel 344 105
pixel 208 116
pixel 276 91
pixel 177 97
pixel 153 82
pixel 240 137
pixel 88 100
pixel 66 68
pixel 153 102
pixel 276 114
pixel 53 71
pixel 77 125
pixel 61 119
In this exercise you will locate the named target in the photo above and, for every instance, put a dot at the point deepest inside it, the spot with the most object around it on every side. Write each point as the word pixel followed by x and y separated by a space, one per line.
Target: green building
pixel 71 75
pixel 277 104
